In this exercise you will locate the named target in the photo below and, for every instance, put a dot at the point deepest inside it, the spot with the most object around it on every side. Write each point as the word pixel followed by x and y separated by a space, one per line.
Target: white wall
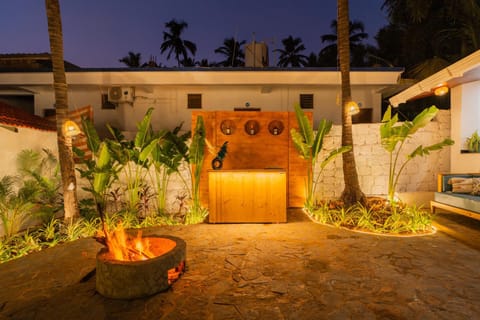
pixel 465 108
pixel 14 142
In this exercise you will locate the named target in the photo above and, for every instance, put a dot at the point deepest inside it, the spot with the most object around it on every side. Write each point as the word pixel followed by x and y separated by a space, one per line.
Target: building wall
pixel 465 102
pixel 170 102
pixel 14 142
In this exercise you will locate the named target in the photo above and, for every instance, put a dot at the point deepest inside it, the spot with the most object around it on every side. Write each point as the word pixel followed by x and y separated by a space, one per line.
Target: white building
pixel 122 96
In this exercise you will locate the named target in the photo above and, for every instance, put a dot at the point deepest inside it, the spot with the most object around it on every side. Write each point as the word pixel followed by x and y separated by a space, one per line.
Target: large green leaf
pixel 303 149
pixel 324 128
pixel 422 151
pixel 423 118
pixel 93 140
pixel 197 146
pixel 304 125
pixel 143 129
pixel 333 154
pixel 147 151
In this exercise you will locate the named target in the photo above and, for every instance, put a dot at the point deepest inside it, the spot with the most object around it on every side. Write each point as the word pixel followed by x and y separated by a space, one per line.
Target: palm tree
pixel 173 43
pixel 356 36
pixel 312 60
pixel 352 193
pixel 132 60
pixel 234 55
pixel 67 165
pixel 441 32
pixel 290 54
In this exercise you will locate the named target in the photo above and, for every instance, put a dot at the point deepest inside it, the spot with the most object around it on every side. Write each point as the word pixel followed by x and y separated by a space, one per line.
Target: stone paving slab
pixel 297 270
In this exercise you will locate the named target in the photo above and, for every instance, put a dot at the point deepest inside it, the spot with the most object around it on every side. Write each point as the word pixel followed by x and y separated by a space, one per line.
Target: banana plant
pixel 393 136
pixel 195 156
pixel 309 145
pixel 135 157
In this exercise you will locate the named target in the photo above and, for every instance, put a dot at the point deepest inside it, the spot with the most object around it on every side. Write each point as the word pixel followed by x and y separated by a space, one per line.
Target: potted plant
pixel 473 142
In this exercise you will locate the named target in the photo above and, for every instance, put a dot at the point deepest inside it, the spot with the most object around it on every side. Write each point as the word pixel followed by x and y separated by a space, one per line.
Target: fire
pixel 127 248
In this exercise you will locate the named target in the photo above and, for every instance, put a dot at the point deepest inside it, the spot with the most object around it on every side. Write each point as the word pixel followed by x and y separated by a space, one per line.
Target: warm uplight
pixel 441 90
pixel 70 128
pixel 353 108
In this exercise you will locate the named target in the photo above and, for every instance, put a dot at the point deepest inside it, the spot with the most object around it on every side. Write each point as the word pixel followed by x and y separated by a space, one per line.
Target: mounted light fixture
pixel 441 90
pixel 352 108
pixel 70 129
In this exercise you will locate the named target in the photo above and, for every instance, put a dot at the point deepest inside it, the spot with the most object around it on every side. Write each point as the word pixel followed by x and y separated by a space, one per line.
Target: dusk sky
pixel 97 33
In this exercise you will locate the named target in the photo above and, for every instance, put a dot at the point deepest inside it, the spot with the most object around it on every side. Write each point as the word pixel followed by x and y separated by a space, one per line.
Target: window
pixel 194 101
pixel 107 104
pixel 306 101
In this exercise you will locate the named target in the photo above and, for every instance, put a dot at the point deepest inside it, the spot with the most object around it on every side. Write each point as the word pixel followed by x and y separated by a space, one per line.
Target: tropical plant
pixel 132 60
pixel 473 142
pixel 173 43
pixel 134 157
pixel 196 213
pixel 309 147
pixel 168 156
pixel 231 49
pixel 16 205
pixel 329 54
pixel 352 193
pixel 291 54
pixel 393 137
pixel 42 172
pixel 67 165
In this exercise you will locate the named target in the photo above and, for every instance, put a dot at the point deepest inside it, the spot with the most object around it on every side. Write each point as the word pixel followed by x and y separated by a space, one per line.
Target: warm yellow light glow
pixel 352 108
pixel 441 90
pixel 70 128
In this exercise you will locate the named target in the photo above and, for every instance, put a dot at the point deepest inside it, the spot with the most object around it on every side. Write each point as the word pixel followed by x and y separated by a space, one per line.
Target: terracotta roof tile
pixel 15 117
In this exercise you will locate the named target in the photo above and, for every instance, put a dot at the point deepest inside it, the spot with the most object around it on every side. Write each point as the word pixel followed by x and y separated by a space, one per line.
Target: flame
pixel 126 248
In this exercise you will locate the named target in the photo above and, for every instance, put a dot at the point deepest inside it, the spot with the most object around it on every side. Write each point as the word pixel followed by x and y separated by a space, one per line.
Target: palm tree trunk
pixel 65 153
pixel 351 193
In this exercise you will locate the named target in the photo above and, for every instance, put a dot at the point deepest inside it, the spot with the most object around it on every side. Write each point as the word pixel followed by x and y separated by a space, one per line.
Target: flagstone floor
pixel 297 270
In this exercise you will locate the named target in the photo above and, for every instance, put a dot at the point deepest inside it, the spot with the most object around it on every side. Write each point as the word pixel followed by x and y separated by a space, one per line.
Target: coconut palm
pixel 67 165
pixel 329 53
pixel 291 55
pixel 352 193
pixel 132 60
pixel 234 55
pixel 441 32
pixel 174 44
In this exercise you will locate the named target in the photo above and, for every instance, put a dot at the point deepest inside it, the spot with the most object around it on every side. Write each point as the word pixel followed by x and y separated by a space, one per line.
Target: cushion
pixel 461 185
pixel 476 186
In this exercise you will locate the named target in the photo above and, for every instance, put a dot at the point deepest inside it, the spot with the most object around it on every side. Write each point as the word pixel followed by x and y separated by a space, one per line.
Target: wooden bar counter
pixel 256 195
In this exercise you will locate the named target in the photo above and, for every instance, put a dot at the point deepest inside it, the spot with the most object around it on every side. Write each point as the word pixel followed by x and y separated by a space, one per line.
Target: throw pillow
pixel 461 185
pixel 476 186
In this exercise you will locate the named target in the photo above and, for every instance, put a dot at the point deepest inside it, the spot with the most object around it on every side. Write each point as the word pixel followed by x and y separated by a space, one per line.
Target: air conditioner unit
pixel 121 94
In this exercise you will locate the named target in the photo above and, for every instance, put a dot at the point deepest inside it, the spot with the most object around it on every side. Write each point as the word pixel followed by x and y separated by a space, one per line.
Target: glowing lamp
pixel 352 108
pixel 71 129
pixel 441 90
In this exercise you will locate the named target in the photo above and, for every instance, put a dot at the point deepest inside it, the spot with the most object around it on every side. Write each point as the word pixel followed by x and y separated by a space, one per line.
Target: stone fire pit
pixel 135 279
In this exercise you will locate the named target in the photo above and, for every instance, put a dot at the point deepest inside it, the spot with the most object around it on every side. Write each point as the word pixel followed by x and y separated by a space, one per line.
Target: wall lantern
pixel 70 129
pixel 352 108
pixel 441 90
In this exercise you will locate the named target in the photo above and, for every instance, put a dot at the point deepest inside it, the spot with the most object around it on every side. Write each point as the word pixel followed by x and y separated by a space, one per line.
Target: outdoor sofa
pixel 458 193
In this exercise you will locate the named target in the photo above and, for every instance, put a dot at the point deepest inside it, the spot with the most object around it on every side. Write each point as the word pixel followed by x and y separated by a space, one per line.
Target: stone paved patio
pixel 298 270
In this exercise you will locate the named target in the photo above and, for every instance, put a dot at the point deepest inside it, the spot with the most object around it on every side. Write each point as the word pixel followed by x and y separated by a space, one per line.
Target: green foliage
pixel 387 220
pixel 309 146
pixel 393 136
pixel 15 206
pixel 473 142
pixel 196 213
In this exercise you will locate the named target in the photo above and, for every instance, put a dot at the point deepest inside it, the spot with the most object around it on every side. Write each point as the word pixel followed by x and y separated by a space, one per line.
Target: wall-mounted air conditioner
pixel 121 94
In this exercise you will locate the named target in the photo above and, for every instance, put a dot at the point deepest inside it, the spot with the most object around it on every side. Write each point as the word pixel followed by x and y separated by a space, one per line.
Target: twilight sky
pixel 97 33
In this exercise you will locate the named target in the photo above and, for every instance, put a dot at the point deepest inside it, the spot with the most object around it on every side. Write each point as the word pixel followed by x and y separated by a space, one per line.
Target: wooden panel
pixel 247 196
pixel 259 151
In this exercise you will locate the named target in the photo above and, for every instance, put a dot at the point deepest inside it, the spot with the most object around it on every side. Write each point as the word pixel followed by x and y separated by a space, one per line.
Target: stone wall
pixel 372 160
